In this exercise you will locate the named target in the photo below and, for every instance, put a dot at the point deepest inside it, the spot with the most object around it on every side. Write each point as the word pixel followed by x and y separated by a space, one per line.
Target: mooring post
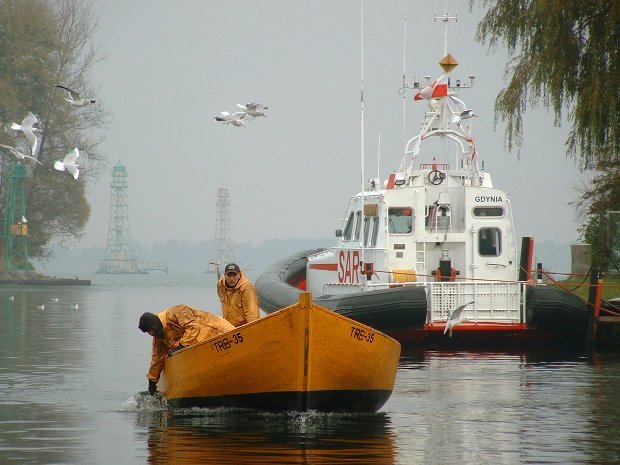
pixel 525 263
pixel 592 305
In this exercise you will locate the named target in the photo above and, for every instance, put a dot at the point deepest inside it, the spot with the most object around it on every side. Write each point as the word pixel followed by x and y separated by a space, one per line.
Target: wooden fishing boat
pixel 303 357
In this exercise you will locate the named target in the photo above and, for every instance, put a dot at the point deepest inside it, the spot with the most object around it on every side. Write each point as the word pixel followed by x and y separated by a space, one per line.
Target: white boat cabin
pixel 440 225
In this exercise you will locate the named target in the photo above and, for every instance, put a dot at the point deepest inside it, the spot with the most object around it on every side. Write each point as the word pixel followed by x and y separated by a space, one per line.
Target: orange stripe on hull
pixel 324 266
pixel 486 326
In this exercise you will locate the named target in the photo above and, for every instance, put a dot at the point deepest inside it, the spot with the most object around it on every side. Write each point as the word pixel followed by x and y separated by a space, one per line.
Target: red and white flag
pixel 437 89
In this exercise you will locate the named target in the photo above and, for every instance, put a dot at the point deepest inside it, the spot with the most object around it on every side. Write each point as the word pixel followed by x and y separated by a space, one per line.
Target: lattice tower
pixel 14 228
pixel 222 249
pixel 119 257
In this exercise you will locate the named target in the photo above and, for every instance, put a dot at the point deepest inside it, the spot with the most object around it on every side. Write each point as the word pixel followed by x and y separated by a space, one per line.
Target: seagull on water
pixel 40 307
pixel 75 99
pixel 74 307
pixel 54 299
pixel 18 154
pixel 68 163
pixel 29 129
pixel 235 119
pixel 253 109
pixel 12 297
pixel 455 318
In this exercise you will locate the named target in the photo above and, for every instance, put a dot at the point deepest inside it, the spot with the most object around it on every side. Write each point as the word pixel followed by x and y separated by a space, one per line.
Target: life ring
pixel 436 177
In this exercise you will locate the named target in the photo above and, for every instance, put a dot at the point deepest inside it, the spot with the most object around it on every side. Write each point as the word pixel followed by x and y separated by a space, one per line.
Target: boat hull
pixel 553 317
pixel 558 311
pixel 485 336
pixel 303 357
pixel 387 310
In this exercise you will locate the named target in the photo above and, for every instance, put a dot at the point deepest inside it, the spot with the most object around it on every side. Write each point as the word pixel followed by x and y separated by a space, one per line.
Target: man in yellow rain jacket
pixel 177 327
pixel 238 296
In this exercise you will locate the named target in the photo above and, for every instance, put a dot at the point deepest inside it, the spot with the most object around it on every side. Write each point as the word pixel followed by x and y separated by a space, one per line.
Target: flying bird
pixel 455 318
pixel 468 114
pixel 29 129
pixel 68 163
pixel 236 119
pixel 460 112
pixel 75 99
pixel 19 155
pixel 253 109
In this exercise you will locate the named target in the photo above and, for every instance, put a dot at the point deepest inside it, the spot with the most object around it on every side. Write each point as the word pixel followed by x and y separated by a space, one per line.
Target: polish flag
pixel 437 89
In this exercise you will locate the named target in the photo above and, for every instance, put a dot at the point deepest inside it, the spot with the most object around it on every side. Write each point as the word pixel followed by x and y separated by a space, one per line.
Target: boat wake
pixel 143 402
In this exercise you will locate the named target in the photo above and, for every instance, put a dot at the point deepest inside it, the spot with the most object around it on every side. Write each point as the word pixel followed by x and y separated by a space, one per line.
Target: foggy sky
pixel 171 66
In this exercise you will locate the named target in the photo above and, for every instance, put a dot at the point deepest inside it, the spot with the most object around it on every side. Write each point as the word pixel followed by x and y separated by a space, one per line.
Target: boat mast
pixel 362 151
pixel 404 87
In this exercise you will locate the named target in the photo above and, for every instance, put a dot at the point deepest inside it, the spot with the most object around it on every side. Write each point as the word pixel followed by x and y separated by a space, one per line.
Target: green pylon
pixel 14 229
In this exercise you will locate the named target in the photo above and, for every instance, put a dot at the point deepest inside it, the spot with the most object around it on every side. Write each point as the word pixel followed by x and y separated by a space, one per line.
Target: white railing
pixel 493 301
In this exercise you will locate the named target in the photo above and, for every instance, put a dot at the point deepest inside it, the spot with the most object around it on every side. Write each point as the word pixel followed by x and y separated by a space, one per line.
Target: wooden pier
pixel 46 282
pixel 606 332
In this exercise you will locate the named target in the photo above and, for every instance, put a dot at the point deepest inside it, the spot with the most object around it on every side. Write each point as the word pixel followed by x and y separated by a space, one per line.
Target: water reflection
pixel 508 407
pixel 241 436
pixel 65 374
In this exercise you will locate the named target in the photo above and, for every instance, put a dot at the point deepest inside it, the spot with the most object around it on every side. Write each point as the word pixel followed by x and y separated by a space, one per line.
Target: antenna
pixel 445 18
pixel 379 156
pixel 404 87
pixel 362 144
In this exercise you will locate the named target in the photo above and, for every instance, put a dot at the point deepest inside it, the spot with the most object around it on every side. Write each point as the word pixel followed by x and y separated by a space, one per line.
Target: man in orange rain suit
pixel 238 296
pixel 175 328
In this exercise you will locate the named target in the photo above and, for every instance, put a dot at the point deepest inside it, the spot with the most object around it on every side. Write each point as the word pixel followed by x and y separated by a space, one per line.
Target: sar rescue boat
pixel 303 357
pixel 435 235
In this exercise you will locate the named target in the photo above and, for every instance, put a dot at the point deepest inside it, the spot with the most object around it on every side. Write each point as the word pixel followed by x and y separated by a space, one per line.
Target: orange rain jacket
pixel 185 326
pixel 239 303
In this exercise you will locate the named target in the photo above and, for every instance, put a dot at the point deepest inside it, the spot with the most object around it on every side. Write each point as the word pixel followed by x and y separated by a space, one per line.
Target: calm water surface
pixel 72 391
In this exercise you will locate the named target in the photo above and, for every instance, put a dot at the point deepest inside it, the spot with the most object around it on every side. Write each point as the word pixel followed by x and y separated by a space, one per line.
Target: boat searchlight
pixel 399 179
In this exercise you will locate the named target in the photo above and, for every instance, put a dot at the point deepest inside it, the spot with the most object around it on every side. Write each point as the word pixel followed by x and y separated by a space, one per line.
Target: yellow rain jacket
pixel 184 326
pixel 239 303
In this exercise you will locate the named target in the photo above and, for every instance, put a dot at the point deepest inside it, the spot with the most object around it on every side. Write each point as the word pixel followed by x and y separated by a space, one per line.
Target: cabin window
pixel 375 231
pixel 497 212
pixel 400 220
pixel 367 224
pixel 358 226
pixel 348 229
pixel 490 242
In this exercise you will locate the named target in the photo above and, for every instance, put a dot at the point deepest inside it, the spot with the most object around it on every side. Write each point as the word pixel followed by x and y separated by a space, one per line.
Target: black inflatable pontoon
pixel 389 309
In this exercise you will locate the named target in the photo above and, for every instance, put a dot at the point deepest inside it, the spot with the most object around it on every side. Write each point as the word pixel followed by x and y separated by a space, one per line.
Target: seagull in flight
pixel 236 119
pixel 460 112
pixel 68 163
pixel 29 129
pixel 75 99
pixel 455 318
pixel 18 154
pixel 253 109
